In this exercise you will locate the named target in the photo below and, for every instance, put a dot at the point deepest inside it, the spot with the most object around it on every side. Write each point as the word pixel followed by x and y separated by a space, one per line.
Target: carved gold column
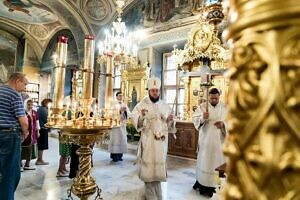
pixel 59 72
pixel 187 101
pixel 109 82
pixel 263 144
pixel 74 85
pixel 84 184
pixel 124 86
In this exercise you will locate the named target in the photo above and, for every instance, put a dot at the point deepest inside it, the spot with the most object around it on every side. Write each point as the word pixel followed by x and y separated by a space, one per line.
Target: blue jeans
pixel 10 150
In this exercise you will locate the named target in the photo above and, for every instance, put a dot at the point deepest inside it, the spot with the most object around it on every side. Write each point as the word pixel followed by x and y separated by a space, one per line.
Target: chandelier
pixel 118 43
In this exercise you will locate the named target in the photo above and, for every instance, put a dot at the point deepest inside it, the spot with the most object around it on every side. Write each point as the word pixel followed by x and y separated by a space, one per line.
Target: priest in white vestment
pixel 118 135
pixel 212 130
pixel 154 119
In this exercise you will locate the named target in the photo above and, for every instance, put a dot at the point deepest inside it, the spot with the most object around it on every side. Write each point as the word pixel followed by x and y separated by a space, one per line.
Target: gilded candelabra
pixel 87 124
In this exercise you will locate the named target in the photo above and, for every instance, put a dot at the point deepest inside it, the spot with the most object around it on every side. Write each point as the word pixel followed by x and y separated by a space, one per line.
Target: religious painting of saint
pixel 27 11
pixel 133 97
pixel 8 49
pixel 134 94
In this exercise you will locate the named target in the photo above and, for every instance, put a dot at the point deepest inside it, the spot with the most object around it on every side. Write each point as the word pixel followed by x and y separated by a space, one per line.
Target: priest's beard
pixel 214 104
pixel 154 100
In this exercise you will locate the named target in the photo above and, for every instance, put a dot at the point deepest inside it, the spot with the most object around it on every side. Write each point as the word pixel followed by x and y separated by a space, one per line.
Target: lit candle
pixel 67 111
pixel 74 110
pixel 95 109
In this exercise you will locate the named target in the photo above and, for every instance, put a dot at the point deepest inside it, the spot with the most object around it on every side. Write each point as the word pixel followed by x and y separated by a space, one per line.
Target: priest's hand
pixel 170 117
pixel 205 115
pixel 122 109
pixel 143 111
pixel 219 124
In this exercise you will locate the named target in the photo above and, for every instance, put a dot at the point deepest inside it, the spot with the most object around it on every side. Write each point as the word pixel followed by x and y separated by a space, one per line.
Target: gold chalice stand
pixel 82 129
pixel 84 185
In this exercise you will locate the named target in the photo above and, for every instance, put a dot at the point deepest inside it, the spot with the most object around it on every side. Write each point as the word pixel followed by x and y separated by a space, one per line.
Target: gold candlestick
pixel 88 67
pixel 59 72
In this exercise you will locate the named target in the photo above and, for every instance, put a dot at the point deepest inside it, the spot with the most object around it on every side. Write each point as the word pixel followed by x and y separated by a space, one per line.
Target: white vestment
pixel 210 154
pixel 153 145
pixel 118 135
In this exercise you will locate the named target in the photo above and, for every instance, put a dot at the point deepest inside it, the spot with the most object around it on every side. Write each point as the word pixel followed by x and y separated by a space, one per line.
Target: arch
pixel 21 33
pixel 72 57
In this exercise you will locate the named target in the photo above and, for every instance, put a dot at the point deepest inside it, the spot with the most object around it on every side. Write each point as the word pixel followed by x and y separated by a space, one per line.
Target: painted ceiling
pixel 39 20
pixel 30 11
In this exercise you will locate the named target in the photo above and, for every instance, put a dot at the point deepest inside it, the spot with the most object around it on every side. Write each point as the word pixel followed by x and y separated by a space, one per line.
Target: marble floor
pixel 118 181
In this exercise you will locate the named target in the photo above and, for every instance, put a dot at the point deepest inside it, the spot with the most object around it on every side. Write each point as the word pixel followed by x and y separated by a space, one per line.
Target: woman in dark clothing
pixel 43 139
pixel 29 145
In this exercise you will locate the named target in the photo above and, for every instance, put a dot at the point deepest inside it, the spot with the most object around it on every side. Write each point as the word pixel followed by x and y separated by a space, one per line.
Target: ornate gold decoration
pixel 203 54
pixel 264 100
pixel 203 41
pixel 214 13
pixel 134 75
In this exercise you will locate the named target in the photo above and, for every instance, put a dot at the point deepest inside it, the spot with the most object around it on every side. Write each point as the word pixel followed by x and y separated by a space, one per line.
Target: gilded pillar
pixel 109 82
pixel 263 144
pixel 187 101
pixel 123 86
pixel 59 72
pixel 74 86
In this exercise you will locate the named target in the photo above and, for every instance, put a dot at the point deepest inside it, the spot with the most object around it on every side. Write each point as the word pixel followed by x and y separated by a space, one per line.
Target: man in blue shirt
pixel 13 129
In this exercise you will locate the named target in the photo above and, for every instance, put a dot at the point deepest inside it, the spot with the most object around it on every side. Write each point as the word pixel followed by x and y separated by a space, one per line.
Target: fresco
pixel 8 49
pixel 147 13
pixel 96 9
pixel 27 11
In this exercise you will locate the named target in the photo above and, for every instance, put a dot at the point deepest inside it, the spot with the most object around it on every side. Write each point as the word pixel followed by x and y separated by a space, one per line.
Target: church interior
pixel 81 53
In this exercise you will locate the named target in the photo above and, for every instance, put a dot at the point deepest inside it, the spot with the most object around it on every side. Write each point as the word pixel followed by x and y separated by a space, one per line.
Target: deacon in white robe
pixel 212 130
pixel 118 136
pixel 154 119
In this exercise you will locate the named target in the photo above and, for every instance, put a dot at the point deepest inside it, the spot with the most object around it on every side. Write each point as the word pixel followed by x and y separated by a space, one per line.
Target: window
pixel 173 88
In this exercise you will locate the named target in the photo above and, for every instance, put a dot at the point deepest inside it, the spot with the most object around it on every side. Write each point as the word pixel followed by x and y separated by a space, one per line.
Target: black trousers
pixel 74 162
pixel 116 156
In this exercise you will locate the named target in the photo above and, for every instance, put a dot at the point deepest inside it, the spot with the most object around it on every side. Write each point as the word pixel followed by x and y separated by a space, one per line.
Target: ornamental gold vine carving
pixel 264 119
